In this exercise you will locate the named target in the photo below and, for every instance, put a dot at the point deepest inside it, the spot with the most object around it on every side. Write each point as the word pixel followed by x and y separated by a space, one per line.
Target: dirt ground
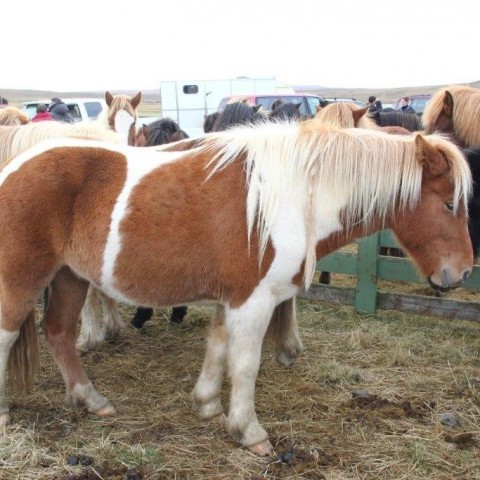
pixel 387 396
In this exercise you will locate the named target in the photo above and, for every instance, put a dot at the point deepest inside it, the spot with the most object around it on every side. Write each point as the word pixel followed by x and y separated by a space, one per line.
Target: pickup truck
pixel 307 107
pixel 81 109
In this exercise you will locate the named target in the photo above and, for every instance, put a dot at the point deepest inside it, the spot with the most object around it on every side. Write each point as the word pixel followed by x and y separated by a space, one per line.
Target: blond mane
pixel 13 116
pixel 16 139
pixel 340 115
pixel 466 112
pixel 378 170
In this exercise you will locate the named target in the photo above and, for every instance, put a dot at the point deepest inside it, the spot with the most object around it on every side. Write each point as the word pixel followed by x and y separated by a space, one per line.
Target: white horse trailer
pixel 188 101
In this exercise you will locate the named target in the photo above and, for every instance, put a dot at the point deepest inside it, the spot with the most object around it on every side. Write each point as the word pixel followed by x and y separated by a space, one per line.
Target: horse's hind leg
pixel 284 329
pixel 206 394
pixel 67 297
pixel 18 345
pixel 7 340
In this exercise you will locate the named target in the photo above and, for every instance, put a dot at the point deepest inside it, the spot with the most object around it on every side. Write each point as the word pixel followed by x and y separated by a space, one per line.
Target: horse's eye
pixel 449 205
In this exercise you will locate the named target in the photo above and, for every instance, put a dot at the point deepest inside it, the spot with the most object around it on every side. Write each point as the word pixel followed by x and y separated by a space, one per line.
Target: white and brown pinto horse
pixel 240 221
pixel 121 115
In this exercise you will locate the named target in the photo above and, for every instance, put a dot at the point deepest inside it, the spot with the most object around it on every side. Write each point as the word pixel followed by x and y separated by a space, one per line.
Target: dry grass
pixel 414 368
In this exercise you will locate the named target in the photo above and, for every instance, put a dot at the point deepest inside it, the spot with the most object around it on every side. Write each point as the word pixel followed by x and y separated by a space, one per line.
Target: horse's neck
pixel 343 237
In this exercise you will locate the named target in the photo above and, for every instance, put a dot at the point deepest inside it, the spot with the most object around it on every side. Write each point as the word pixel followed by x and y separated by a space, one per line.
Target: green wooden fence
pixel 369 268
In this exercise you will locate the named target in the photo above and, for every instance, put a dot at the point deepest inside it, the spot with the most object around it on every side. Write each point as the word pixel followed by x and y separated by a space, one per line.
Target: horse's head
pixel 209 120
pixel 343 115
pixel 122 115
pixel 455 110
pixel 435 230
pixel 442 119
pixel 286 111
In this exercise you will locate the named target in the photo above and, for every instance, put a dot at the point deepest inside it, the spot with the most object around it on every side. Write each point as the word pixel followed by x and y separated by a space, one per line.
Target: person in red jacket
pixel 42 113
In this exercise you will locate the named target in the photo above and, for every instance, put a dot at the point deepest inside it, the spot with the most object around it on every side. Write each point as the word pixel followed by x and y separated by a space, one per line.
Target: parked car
pixel 417 102
pixel 344 100
pixel 81 109
pixel 307 107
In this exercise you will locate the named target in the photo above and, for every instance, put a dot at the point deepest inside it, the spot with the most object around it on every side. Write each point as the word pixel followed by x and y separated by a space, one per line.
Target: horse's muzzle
pixel 448 282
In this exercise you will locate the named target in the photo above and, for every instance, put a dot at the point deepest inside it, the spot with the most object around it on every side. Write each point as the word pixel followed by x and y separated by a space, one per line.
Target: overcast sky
pixel 98 45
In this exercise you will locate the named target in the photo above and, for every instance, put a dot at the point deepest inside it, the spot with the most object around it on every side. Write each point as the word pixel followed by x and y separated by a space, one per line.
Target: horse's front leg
pixel 111 318
pixel 92 331
pixel 206 394
pixel 246 327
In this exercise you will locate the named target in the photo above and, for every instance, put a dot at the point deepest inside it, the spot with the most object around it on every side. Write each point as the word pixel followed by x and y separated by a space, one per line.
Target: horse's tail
pixel 24 362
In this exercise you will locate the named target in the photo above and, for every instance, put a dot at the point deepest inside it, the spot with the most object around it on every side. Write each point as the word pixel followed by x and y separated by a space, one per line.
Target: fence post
pixel 366 290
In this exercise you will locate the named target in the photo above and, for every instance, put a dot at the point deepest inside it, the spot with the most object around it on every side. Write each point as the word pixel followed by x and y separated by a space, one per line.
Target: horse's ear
pixel 358 114
pixel 135 101
pixel 108 98
pixel 448 104
pixel 256 108
pixel 432 161
pixel 298 105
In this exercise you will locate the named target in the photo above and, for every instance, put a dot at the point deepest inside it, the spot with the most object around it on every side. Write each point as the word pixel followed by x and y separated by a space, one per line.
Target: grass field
pixel 408 370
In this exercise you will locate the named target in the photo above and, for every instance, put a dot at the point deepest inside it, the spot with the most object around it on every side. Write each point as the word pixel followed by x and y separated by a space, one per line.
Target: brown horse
pixel 240 221
pixel 455 111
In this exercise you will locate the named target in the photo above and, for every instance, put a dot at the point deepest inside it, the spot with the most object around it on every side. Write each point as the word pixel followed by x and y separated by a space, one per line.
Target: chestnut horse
pixel 350 115
pixel 455 111
pixel 239 221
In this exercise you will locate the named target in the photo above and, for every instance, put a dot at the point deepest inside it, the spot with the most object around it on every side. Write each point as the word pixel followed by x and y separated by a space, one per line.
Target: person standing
pixel 59 111
pixel 404 106
pixel 42 114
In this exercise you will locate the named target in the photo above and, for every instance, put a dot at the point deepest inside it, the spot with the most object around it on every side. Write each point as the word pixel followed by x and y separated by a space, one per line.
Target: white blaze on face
pixel 122 123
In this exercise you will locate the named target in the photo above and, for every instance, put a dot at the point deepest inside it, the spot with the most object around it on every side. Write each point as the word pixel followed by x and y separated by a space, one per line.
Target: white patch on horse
pixel 121 124
pixel 7 340
pixel 139 163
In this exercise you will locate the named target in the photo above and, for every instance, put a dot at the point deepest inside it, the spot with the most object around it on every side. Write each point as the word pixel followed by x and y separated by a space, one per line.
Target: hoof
pixel 4 420
pixel 262 449
pixel 85 346
pixel 284 359
pixel 106 411
pixel 221 419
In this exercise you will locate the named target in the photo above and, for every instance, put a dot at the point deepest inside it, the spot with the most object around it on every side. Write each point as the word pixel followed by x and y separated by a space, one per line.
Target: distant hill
pixel 151 98
pixel 16 97
pixel 386 95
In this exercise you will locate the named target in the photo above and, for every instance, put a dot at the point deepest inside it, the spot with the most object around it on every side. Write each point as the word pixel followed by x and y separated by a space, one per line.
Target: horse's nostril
pixel 466 275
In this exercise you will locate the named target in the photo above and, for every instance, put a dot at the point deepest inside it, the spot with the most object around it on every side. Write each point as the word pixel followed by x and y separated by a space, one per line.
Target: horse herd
pixel 237 217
